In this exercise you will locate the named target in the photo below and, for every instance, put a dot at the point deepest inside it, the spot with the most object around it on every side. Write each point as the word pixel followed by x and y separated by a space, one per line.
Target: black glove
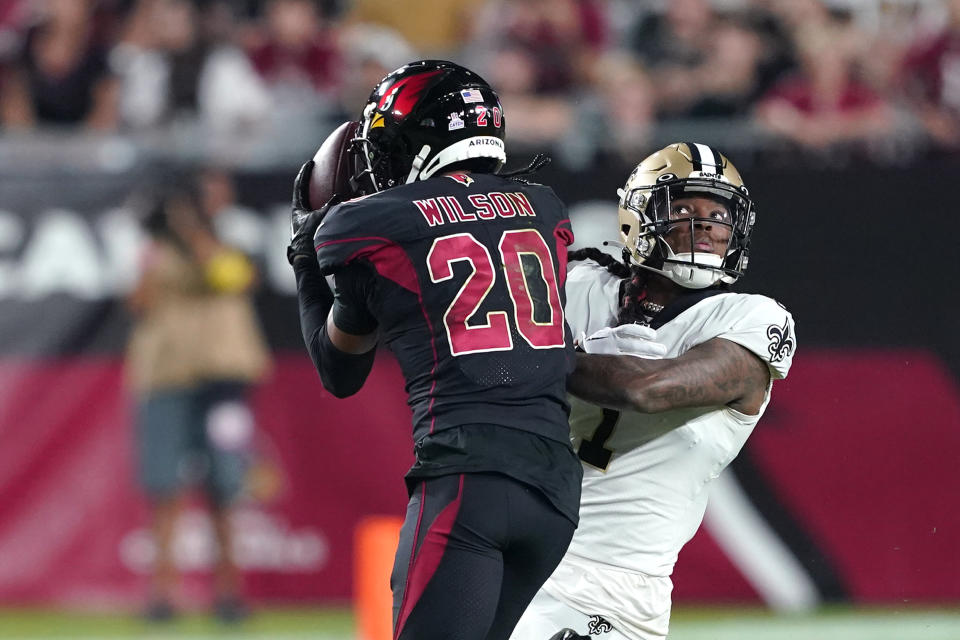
pixel 304 220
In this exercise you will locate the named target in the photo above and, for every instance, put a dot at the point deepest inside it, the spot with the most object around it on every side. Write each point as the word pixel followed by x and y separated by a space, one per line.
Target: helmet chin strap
pixel 418 163
pixel 692 276
pixel 690 270
pixel 704 272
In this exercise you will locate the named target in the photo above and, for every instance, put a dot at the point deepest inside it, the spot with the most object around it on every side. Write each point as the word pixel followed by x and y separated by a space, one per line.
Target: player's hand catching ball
pixel 322 182
pixel 625 340
pixel 304 220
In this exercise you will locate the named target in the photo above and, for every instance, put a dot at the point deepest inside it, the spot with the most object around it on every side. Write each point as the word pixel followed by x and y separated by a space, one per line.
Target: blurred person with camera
pixel 194 351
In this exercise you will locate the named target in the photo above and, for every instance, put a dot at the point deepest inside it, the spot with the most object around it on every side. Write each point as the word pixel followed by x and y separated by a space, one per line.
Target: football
pixel 332 167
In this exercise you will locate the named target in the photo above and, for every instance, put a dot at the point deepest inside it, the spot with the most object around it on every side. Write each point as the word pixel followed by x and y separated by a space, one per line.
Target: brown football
pixel 331 167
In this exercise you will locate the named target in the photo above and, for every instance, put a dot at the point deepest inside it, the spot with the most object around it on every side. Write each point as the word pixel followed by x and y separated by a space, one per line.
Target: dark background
pixel 863 257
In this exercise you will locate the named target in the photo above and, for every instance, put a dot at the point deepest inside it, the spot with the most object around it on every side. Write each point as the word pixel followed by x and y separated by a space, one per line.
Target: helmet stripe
pixel 693 147
pixel 709 157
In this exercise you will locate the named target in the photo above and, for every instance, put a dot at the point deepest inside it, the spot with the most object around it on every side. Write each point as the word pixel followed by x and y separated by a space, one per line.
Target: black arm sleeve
pixel 342 374
pixel 351 309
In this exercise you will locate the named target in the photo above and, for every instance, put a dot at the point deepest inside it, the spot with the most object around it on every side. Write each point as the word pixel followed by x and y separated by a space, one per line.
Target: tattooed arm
pixel 715 373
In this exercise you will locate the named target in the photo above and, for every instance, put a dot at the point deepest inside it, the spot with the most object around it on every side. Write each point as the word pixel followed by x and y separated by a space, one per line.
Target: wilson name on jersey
pixel 469 273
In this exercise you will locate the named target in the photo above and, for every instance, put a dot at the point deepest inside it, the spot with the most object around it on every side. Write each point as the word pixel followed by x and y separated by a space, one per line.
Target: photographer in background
pixel 195 348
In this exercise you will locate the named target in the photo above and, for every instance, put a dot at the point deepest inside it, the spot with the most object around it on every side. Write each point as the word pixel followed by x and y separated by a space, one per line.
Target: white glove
pixel 625 340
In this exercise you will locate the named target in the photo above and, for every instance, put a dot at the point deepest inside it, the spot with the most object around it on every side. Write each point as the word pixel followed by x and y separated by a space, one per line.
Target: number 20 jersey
pixel 468 292
pixel 649 498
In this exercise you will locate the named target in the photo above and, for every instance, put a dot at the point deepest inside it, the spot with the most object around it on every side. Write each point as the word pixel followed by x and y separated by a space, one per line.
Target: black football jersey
pixel 468 292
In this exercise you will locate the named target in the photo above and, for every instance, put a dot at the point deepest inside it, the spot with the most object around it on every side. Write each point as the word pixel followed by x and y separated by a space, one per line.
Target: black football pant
pixel 474 549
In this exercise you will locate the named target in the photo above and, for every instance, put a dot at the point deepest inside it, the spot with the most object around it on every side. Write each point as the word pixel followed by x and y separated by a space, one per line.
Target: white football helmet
pixel 684 169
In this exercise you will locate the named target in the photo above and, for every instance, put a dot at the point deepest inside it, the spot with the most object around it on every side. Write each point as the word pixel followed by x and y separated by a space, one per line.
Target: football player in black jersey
pixel 458 270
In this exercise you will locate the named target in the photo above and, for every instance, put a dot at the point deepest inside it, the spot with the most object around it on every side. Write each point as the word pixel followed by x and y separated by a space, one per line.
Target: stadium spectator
pixel 536 118
pixel 369 52
pixel 144 59
pixel 614 117
pixel 435 28
pixel 13 16
pixel 554 38
pixel 296 51
pixel 62 76
pixel 930 79
pixel 194 350
pixel 540 54
pixel 673 46
pixel 177 63
pixel 824 103
pixel 798 14
pixel 778 54
pixel 703 63
pixel 190 67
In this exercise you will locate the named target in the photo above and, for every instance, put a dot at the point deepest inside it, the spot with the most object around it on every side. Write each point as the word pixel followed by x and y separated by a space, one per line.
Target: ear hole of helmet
pixel 401 154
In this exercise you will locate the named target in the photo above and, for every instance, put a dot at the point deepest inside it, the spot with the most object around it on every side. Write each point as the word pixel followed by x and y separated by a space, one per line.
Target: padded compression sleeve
pixel 342 374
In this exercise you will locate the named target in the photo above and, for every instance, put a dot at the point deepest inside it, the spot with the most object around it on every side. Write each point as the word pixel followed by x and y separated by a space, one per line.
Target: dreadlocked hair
pixel 634 289
pixel 632 294
pixel 613 265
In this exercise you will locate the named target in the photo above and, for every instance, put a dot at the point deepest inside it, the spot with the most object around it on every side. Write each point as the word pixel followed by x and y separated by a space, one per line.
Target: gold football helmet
pixel 680 170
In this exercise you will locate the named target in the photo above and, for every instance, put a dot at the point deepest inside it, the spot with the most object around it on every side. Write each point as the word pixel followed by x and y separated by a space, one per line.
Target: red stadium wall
pixel 73 523
pixel 861 446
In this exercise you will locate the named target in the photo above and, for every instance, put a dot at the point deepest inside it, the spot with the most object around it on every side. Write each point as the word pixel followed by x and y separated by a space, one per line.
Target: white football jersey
pixel 646 476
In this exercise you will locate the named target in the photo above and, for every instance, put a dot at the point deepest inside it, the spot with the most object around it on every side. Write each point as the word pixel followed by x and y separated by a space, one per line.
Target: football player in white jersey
pixel 654 431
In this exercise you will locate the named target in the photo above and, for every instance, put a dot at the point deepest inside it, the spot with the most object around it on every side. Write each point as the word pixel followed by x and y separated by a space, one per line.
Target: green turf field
pixel 830 624
pixel 337 624
pixel 278 624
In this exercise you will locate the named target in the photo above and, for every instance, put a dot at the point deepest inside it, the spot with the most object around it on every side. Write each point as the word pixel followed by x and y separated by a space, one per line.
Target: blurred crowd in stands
pixel 586 78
